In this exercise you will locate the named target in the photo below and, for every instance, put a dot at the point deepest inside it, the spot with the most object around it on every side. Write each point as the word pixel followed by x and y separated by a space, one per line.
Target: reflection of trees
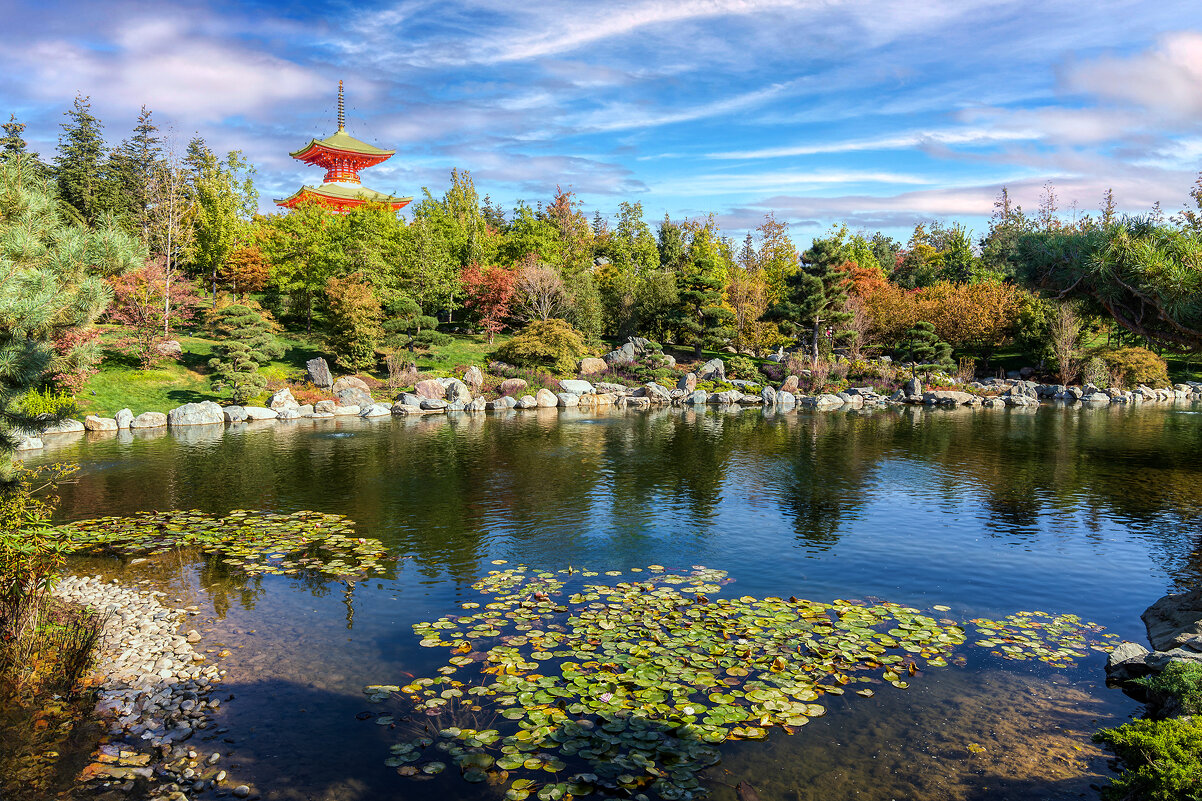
pixel 444 489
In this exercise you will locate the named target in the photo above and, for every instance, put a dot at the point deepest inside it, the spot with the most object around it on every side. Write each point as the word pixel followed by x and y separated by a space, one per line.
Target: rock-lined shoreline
pixel 155 697
pixel 444 395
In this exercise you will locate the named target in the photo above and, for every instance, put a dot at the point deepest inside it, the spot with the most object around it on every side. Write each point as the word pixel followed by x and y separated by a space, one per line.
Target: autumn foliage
pixel 489 294
pixel 147 305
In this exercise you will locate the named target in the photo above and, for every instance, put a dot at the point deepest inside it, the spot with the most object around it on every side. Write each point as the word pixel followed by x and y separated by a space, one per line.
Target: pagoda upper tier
pixel 342 156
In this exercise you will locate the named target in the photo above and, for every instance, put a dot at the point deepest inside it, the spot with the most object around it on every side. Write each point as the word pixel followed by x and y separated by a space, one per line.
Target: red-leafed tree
pixel 147 306
pixel 489 294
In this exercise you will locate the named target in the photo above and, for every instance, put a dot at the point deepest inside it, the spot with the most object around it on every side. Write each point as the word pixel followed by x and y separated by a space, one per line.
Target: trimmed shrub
pixel 741 367
pixel 544 343
pixel 48 401
pixel 1162 760
pixel 1134 366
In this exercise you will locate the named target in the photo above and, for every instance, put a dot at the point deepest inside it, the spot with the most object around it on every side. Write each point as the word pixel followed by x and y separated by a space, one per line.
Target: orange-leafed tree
pixel 977 318
pixel 246 270
pixel 147 304
pixel 489 294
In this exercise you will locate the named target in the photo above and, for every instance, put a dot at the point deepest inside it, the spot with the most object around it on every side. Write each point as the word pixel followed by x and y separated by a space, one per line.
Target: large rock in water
pixel 124 418
pixel 352 391
pixel 319 373
pixel 233 414
pixel 713 370
pixel 431 389
pixel 94 423
pixel 912 387
pixel 1127 661
pixel 282 399
pixel 545 398
pixel 149 420
pixel 259 413
pixel 195 414
pixel 575 386
pixel 1175 621
pixel 458 392
pixel 68 425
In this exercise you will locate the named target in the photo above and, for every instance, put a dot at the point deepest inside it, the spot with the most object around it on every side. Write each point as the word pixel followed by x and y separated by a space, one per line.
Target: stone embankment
pixel 352 398
pixel 1174 625
pixel 155 700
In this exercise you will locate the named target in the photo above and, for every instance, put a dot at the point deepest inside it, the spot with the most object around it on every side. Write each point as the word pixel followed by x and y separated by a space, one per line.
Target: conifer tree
pixel 133 166
pixel 246 344
pixel 701 316
pixel 51 284
pixel 79 167
pixel 13 145
pixel 924 350
pixel 814 297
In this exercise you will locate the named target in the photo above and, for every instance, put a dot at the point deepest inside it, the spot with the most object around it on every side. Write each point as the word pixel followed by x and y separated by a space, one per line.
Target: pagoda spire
pixel 341 109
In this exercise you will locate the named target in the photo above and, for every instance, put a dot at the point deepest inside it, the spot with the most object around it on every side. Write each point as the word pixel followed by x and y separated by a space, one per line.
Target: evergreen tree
pixel 79 167
pixel 245 343
pixel 924 350
pixel 701 317
pixel 13 145
pixel 132 167
pixel 814 297
pixel 673 245
pixel 354 316
pixel 51 285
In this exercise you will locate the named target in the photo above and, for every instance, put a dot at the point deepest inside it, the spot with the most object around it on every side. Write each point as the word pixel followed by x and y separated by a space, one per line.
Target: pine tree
pixel 814 297
pixel 133 167
pixel 924 350
pixel 246 344
pixel 13 145
pixel 701 316
pixel 79 167
pixel 51 284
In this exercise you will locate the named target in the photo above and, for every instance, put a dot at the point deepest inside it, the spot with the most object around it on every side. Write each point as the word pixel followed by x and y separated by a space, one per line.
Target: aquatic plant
pixel 250 541
pixel 1055 639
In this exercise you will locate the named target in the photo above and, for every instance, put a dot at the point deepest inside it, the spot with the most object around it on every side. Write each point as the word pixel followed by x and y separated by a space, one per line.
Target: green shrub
pixel 48 401
pixel 741 367
pixel 431 338
pixel 1162 760
pixel 1095 372
pixel 1136 366
pixel 1182 680
pixel 550 343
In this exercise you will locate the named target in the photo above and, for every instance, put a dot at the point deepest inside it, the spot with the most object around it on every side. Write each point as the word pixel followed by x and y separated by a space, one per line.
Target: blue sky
pixel 878 113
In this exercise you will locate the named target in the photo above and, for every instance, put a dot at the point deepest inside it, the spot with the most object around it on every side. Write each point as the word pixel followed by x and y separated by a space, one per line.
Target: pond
pixel 978 513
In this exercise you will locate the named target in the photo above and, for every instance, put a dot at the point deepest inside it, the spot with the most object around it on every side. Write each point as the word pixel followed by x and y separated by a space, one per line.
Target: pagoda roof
pixel 341 140
pixel 344 193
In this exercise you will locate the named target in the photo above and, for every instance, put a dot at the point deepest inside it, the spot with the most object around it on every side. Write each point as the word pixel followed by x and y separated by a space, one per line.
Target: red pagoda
pixel 342 156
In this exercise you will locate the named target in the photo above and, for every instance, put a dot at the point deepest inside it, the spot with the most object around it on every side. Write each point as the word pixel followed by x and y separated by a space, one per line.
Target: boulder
pixel 623 355
pixel 824 401
pixel 476 404
pixel 528 402
pixel 784 399
pixel 667 359
pixel 171 348
pixel 575 386
pixel 67 425
pixel 282 399
pixel 458 392
pixel 233 414
pixel 376 410
pixel 401 410
pixel 474 378
pixel 1127 661
pixel 568 398
pixel 430 388
pixel 912 388
pixel 291 413
pixel 698 397
pixel 124 418
pixel 346 411
pixel 325 407
pixel 768 394
pixel 713 370
pixel 260 413
pixel 1159 660
pixel 512 386
pixel 149 420
pixel 790 384
pixel 687 382
pixel 636 403
pixel 319 373
pixel 434 404
pixel 353 396
pixel 409 399
pixel 656 393
pixel 349 382
pixel 305 411
pixel 94 423
pixel 1175 621
pixel 948 397
pixel 723 398
pixel 612 389
pixel 591 365
pixel 545 398
pixel 195 414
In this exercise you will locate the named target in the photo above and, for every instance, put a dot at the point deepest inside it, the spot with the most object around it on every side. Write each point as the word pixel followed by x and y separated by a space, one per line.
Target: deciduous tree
pixel 147 305
pixel 354 318
pixel 489 292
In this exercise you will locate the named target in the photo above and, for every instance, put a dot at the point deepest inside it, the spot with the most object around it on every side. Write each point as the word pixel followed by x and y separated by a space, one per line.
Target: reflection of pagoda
pixel 342 156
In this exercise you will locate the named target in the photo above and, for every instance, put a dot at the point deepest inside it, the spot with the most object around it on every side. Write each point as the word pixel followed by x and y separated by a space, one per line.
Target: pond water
pixel 1092 512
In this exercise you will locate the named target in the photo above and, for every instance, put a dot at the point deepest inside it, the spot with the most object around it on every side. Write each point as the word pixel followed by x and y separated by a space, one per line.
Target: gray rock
pixel 282 399
pixel 475 405
pixel 430 388
pixel 1159 660
pixel 65 426
pixel 349 382
pixel 149 420
pixel 434 404
pixel 784 399
pixel 195 414
pixel 713 370
pixel 576 386
pixel 623 355
pixel 124 418
pixel 304 411
pixel 698 397
pixel 912 388
pixel 656 393
pixel 1175 621
pixel 528 402
pixel 260 413
pixel 768 394
pixel 458 392
pixel 545 398
pixel 233 414
pixel 170 347
pixel 568 398
pixel 325 407
pixel 474 378
pixel 319 373
pixel 290 413
pixel 376 410
pixel 353 395
pixel 509 402
pixel 825 401
pixel 727 397
pixel 1127 661
pixel 409 399
pixel 687 382
pixel 948 397
pixel 94 423
pixel 351 410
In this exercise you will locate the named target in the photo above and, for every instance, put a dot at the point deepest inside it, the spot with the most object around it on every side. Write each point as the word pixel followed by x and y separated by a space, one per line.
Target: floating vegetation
pixel 635 684
pixel 250 541
pixel 1055 639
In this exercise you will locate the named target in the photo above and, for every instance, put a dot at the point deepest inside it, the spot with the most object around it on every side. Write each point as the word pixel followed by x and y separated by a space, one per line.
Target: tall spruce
pixel 51 284
pixel 80 166
pixel 133 166
pixel 700 316
pixel 13 146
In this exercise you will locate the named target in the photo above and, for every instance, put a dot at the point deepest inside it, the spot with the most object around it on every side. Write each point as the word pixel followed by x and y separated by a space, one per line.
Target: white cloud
pixel 1166 79
pixel 740 183
pixel 914 139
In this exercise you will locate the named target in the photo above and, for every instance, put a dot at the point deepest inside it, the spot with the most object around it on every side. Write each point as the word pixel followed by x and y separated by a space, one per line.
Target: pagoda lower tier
pixel 342 196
